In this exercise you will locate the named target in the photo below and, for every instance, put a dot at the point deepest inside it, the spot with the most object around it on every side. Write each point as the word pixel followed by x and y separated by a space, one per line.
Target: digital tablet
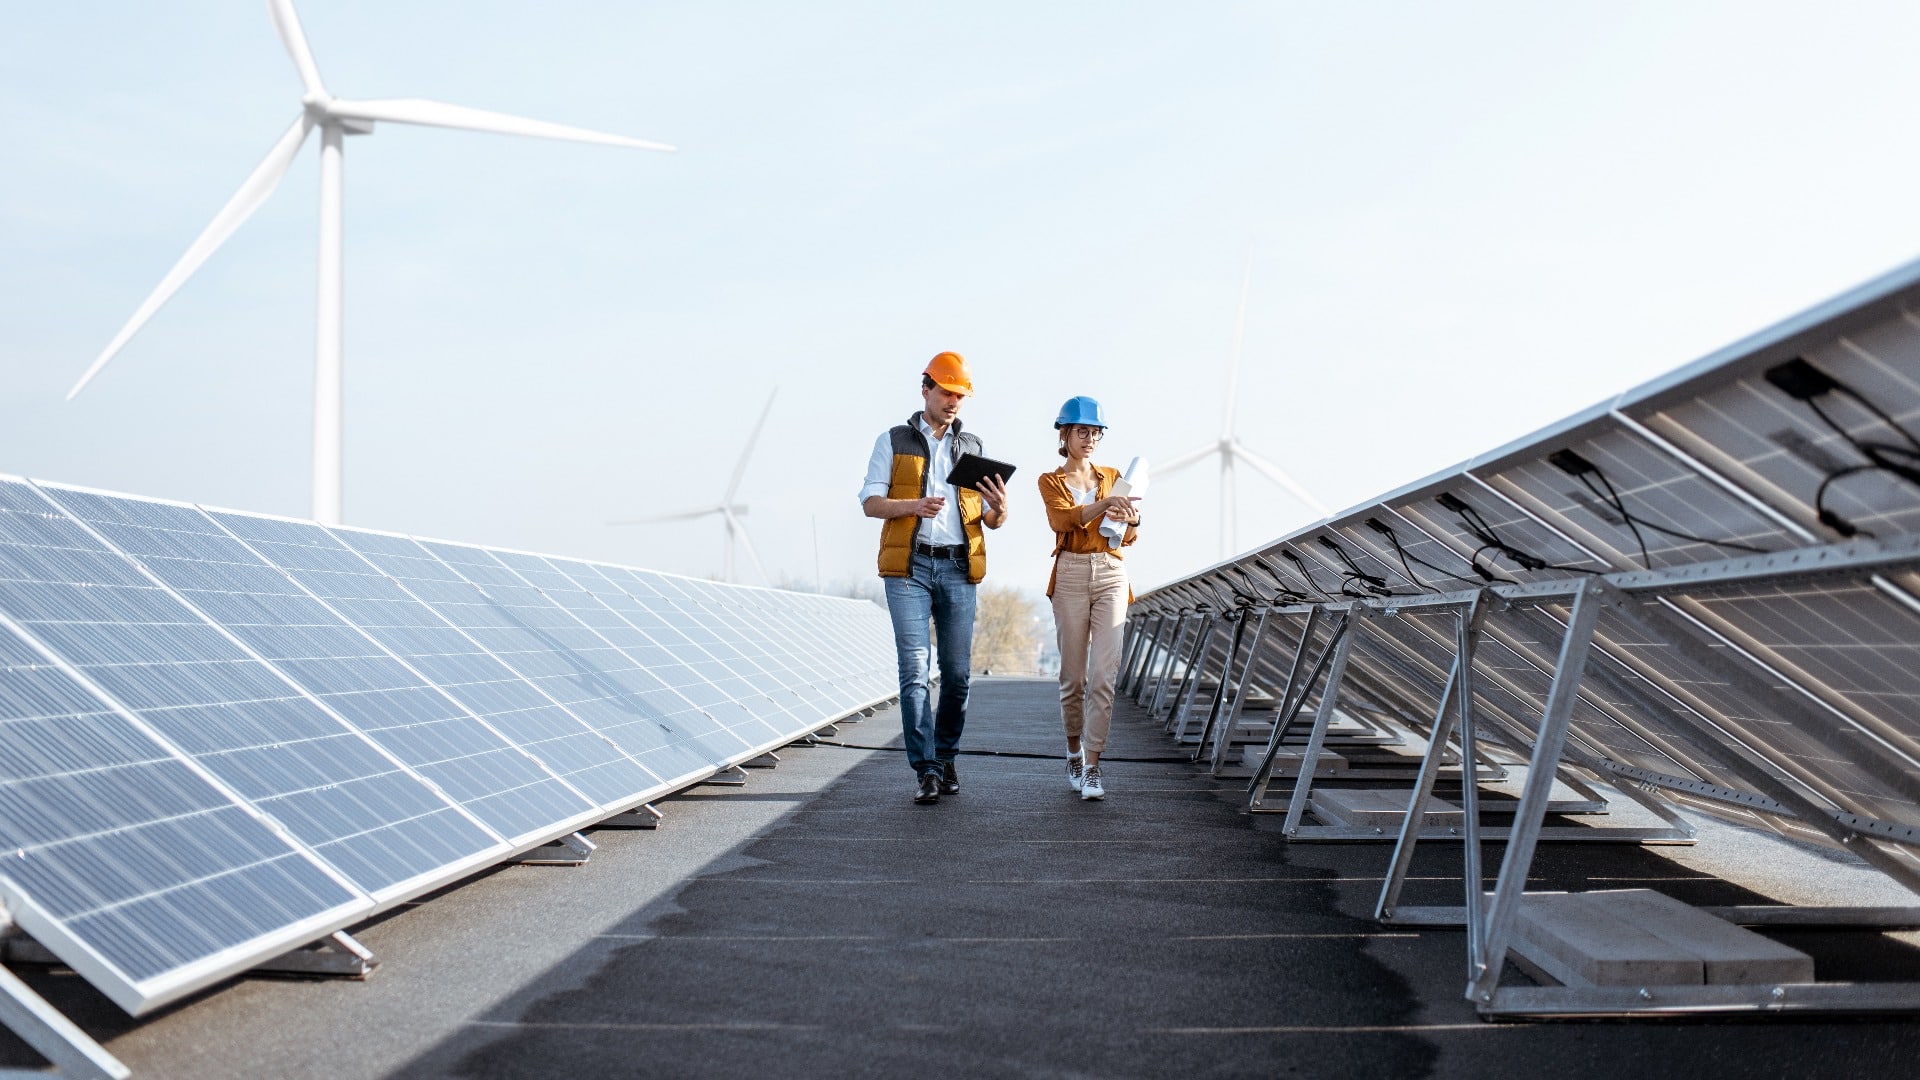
pixel 972 468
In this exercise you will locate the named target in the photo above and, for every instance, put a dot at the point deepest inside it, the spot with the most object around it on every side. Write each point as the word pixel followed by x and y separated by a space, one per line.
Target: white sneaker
pixel 1090 787
pixel 1073 771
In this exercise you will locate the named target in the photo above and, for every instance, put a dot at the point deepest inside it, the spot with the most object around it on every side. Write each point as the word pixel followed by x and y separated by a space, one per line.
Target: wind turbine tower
pixel 336 118
pixel 730 512
pixel 1229 446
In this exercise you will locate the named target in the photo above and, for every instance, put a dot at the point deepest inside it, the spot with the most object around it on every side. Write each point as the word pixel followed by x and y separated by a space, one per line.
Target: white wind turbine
pixel 1229 446
pixel 336 118
pixel 730 512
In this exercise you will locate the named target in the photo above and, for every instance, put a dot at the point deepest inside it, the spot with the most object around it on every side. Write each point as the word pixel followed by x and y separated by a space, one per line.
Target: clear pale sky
pixel 1469 219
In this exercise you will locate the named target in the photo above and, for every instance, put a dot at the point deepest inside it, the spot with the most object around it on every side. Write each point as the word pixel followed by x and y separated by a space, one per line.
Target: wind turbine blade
pixel 739 532
pixel 1233 357
pixel 1279 476
pixel 439 114
pixel 687 515
pixel 287 21
pixel 740 467
pixel 1169 468
pixel 260 184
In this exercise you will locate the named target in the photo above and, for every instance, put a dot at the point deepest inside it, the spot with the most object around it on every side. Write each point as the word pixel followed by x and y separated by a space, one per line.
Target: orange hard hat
pixel 949 371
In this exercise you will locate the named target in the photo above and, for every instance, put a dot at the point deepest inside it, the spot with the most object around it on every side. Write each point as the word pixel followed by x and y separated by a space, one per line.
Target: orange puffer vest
pixel 909 481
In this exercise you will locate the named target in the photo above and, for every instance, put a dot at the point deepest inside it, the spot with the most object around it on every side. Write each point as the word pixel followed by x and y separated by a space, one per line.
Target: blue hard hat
pixel 1081 410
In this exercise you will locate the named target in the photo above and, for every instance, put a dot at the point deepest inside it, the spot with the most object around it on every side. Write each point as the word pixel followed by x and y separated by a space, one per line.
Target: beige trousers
pixel 1089 610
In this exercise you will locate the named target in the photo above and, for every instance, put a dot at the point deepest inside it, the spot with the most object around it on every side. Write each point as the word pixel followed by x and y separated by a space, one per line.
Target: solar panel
pixel 367 815
pixel 724 626
pixel 224 735
pixel 394 584
pixel 1688 518
pixel 662 609
pixel 283 622
pixel 1778 448
pixel 642 703
pixel 126 858
pixel 1735 543
pixel 828 640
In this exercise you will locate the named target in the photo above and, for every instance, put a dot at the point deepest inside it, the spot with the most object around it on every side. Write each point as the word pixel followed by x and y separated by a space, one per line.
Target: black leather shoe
pixel 929 788
pixel 949 779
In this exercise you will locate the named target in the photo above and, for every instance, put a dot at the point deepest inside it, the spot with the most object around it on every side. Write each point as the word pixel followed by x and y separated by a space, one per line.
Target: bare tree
pixel 1006 631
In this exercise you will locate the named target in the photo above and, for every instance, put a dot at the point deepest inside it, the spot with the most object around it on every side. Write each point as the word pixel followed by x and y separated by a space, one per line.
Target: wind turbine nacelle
pixel 320 109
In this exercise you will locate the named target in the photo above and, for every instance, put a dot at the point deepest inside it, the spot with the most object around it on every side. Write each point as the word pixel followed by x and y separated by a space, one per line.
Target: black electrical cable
pixel 1881 414
pixel 1802 381
pixel 1288 596
pixel 1286 592
pixel 1635 520
pixel 1878 454
pixel 1253 583
pixel 1374 584
pixel 1306 572
pixel 1490 539
pixel 1571 463
pixel 1612 497
pixel 1829 518
pixel 1380 527
pixel 1405 567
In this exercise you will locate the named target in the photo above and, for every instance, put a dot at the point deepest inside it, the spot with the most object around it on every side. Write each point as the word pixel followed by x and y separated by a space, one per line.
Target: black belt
pixel 940 551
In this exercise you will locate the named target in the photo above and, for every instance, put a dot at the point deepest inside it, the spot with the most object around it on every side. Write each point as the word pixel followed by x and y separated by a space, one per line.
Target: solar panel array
pixel 224 735
pixel 1751 527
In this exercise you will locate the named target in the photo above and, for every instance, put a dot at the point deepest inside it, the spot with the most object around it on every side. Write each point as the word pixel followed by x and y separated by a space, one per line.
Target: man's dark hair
pixel 926 381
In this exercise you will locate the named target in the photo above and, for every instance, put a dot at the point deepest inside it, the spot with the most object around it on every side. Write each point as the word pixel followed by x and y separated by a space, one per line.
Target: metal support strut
pixel 1294 698
pixel 1322 716
pixel 572 849
pixel 1489 940
pixel 644 816
pixel 1456 708
pixel 54 1037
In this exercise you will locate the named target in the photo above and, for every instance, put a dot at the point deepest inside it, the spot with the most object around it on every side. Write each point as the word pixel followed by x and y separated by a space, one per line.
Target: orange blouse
pixel 1063 516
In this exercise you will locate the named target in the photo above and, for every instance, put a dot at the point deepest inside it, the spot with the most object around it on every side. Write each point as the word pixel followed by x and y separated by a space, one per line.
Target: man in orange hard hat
pixel 933 553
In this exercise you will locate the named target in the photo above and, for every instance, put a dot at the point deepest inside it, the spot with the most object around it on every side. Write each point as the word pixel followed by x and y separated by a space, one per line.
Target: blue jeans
pixel 936 590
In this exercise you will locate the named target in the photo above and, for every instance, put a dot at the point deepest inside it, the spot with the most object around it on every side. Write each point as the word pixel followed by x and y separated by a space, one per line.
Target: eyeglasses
pixel 1093 433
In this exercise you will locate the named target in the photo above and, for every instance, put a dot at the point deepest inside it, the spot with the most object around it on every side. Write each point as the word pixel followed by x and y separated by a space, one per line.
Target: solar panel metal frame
pixel 220 529
pixel 750 750
pixel 386 896
pixel 1709 621
pixel 138 996
pixel 661 783
pixel 135 995
pixel 559 827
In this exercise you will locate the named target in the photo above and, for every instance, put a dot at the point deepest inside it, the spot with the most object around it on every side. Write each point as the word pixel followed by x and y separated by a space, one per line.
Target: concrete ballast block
pixel 1639 937
pixel 1379 808
pixel 1287 761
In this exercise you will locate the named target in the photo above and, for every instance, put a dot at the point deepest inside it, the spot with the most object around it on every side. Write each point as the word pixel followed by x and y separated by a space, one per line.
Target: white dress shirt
pixel 943 529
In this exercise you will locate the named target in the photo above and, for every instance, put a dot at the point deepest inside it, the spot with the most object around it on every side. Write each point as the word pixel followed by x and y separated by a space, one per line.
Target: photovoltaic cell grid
pixel 258 733
pixel 1735 456
pixel 652 604
pixel 1777 446
pixel 124 849
pixel 348 671
pixel 588 771
pixel 609 689
pixel 223 734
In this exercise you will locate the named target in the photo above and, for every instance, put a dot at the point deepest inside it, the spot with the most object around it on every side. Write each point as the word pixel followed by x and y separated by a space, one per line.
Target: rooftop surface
pixel 817 923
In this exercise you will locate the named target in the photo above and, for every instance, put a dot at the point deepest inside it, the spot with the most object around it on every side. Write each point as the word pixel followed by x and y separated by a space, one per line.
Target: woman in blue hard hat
pixel 1088 587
